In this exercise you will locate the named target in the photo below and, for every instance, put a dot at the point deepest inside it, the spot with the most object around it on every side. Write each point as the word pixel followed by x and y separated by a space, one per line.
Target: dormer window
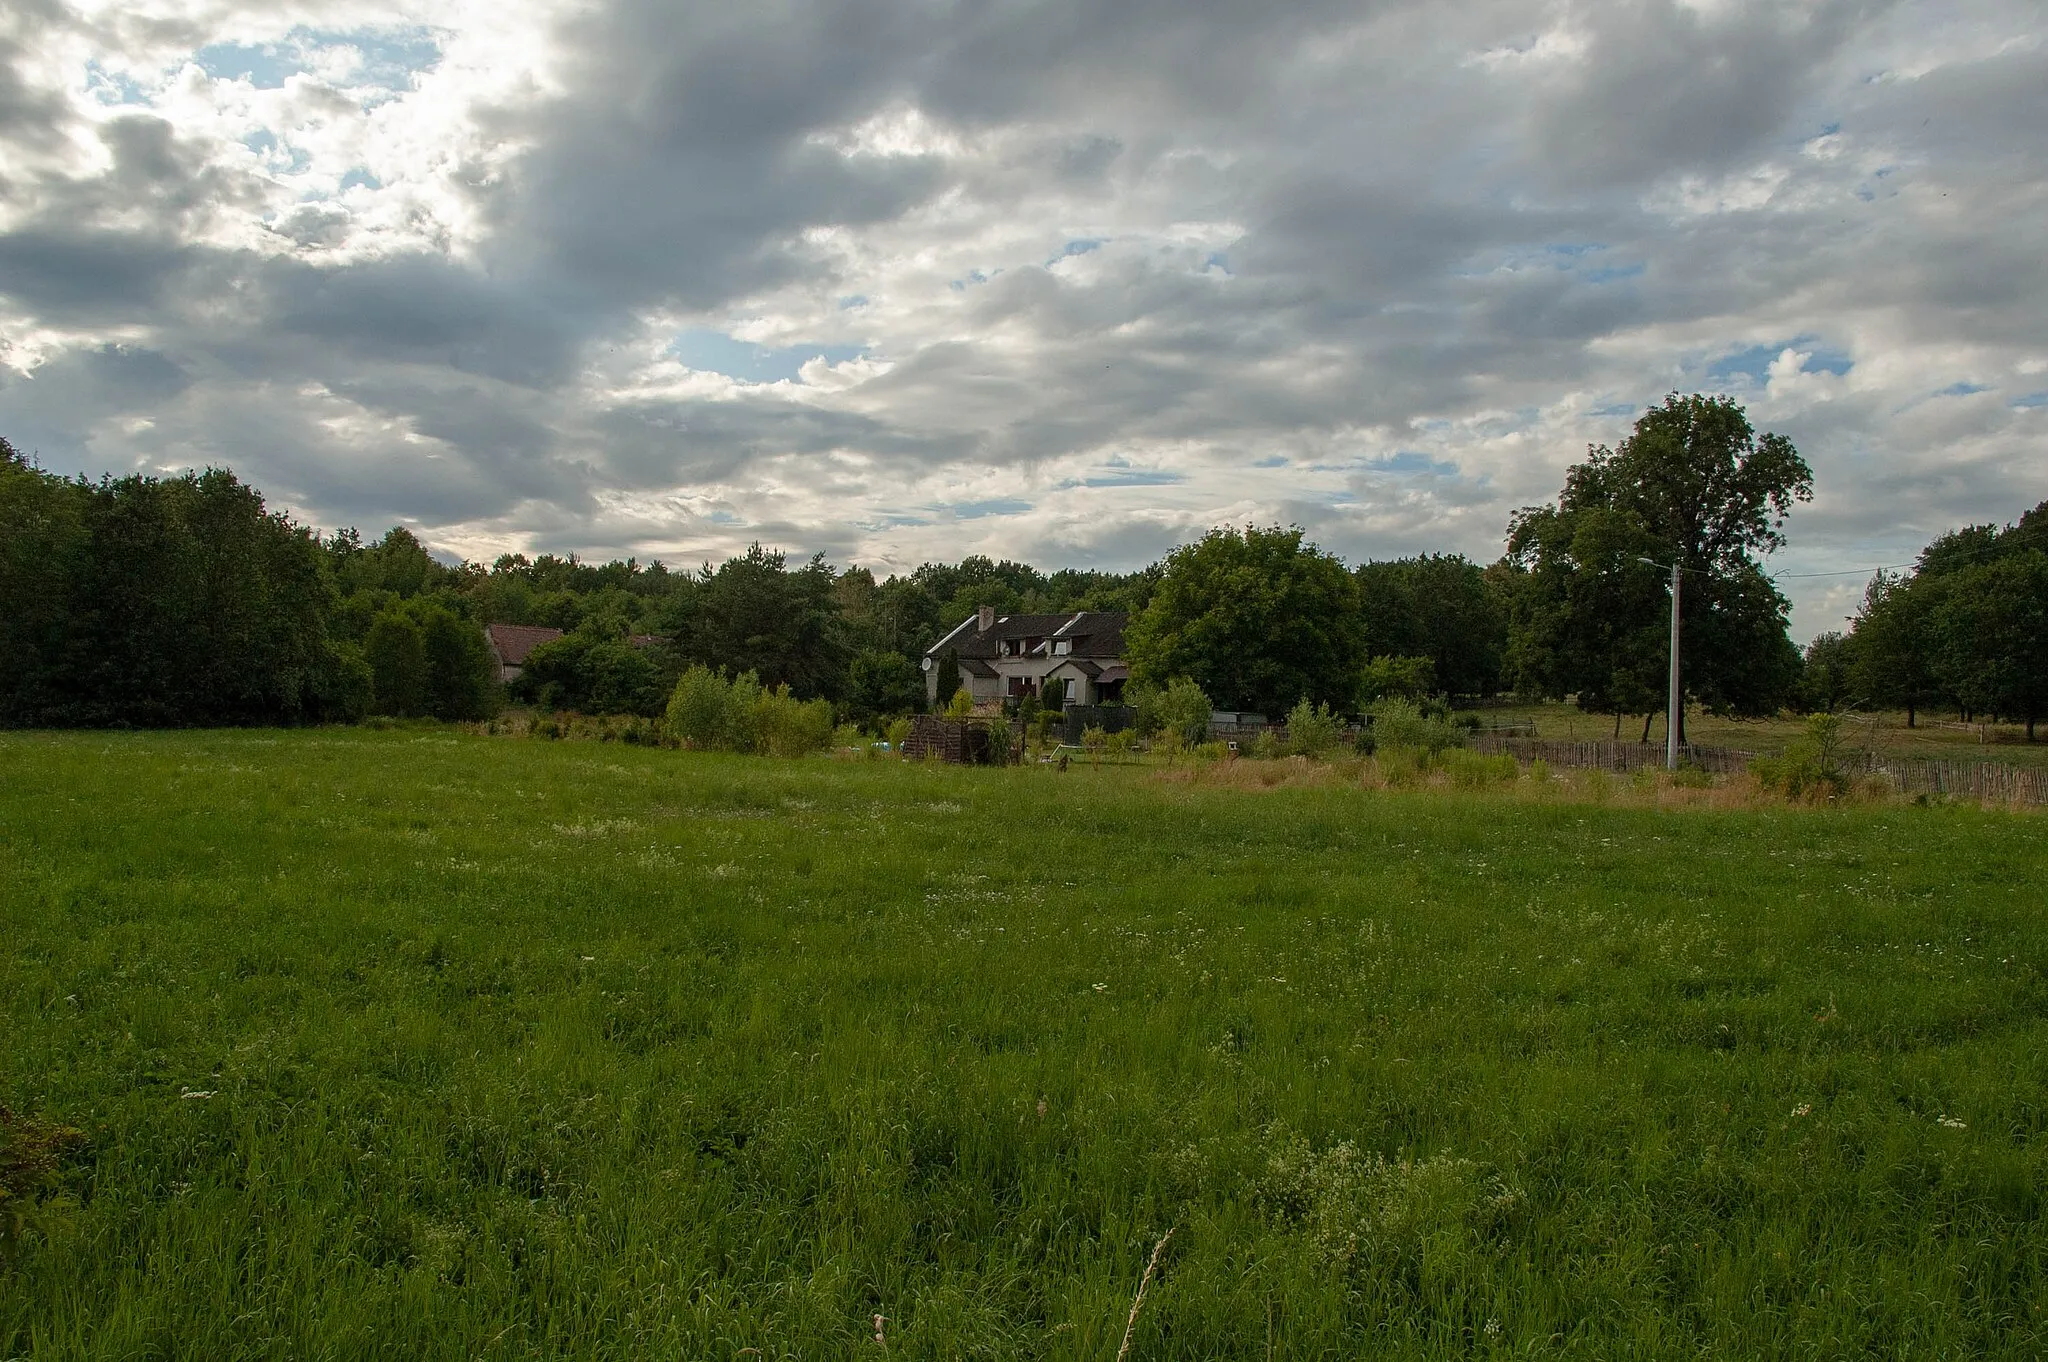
pixel 1061 647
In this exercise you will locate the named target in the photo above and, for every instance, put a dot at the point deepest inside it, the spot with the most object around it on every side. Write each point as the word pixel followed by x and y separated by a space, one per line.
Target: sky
pixel 1069 281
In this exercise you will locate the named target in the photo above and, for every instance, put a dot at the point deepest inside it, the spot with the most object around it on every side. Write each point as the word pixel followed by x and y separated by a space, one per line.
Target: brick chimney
pixel 987 620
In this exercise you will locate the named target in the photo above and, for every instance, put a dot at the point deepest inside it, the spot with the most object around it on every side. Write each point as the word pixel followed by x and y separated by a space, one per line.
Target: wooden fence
pixel 1997 781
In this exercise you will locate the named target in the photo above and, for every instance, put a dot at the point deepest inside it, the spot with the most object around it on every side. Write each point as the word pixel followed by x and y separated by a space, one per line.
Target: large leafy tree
pixel 1693 483
pixel 753 614
pixel 1437 606
pixel 1258 618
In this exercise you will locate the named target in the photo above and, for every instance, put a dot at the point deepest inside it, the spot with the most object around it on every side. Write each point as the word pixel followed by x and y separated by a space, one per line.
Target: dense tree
pixel 1966 626
pixel 1825 680
pixel 1441 607
pixel 157 601
pixel 1693 483
pixel 1892 660
pixel 1258 618
pixel 1990 632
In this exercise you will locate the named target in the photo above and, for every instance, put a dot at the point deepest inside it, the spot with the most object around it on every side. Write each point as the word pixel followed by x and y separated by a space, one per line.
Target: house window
pixel 1062 647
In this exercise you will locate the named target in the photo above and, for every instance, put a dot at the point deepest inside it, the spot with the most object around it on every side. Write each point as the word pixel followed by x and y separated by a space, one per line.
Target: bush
pixel 898 734
pixel 707 711
pixel 696 708
pixel 1265 745
pixel 1811 766
pixel 1403 723
pixel 1312 730
pixel 1183 709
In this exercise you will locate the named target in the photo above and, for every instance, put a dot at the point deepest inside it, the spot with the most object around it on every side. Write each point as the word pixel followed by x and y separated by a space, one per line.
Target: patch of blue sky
pixel 715 352
pixel 1129 477
pixel 1754 362
pixel 1271 461
pixel 1616 409
pixel 723 518
pixel 1963 389
pixel 391 59
pixel 1607 274
pixel 978 510
pixel 1412 461
pixel 853 302
pixel 113 87
pixel 266 67
pixel 360 176
pixel 2031 400
pixel 1219 261
pixel 974 277
pixel 1078 246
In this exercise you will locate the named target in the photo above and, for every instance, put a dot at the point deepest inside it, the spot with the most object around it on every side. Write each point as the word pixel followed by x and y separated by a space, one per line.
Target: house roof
pixel 1092 633
pixel 512 642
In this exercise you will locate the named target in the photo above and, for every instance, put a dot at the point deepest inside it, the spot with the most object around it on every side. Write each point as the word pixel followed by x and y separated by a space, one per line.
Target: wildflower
pixel 1492 1329
pixel 1951 1122
pixel 190 1094
pixel 880 1341
pixel 1803 1109
pixel 1041 1108
pixel 1102 988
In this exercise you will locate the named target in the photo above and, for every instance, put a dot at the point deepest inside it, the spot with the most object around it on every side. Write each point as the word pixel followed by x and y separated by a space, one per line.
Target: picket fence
pixel 1994 781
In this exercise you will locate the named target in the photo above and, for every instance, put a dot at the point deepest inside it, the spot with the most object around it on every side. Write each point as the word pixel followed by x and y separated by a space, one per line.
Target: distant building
pixel 1006 657
pixel 510 643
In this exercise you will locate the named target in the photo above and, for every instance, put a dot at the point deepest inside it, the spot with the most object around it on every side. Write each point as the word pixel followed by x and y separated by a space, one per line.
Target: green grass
pixel 421 1045
pixel 1936 735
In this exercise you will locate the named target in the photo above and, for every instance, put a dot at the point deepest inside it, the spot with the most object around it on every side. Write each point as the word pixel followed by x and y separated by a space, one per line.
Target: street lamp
pixel 1671 711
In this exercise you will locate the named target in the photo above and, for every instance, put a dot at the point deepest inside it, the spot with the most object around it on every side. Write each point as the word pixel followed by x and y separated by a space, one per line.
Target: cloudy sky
pixel 1069 281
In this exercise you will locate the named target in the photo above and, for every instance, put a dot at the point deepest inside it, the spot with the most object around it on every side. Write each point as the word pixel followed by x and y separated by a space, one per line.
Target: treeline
pixel 1966 629
pixel 183 600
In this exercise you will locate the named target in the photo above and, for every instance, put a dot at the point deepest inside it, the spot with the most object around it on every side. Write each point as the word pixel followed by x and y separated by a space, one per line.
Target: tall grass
pixel 414 1044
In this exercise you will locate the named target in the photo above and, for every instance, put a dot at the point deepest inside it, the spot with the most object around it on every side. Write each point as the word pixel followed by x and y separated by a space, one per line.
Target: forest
pixel 183 601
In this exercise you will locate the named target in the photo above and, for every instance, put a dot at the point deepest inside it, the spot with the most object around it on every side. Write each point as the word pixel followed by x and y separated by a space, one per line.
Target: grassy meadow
pixel 425 1044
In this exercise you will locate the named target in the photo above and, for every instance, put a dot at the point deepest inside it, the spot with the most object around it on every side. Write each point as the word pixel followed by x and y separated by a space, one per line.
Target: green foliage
pixel 1811 767
pixel 1404 725
pixel 697 708
pixel 882 684
pixel 1258 618
pixel 146 601
pixel 898 733
pixel 961 705
pixel 1312 730
pixel 396 651
pixel 1438 608
pixel 1824 679
pixel 706 711
pixel 948 677
pixel 1183 710
pixel 1397 678
pixel 1692 483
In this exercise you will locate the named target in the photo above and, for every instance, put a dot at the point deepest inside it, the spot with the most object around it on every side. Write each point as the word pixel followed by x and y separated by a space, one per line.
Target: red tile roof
pixel 512 642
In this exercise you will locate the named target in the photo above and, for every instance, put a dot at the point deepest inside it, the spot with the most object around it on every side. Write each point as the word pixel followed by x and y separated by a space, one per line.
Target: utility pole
pixel 1671 704
pixel 1671 711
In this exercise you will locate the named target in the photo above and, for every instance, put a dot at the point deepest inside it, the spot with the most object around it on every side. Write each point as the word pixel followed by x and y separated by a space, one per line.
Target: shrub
pixel 1093 741
pixel 1312 730
pixel 961 705
pixel 898 734
pixel 1183 709
pixel 785 726
pixel 1397 678
pixel 1265 745
pixel 1403 723
pixel 1811 766
pixel 696 708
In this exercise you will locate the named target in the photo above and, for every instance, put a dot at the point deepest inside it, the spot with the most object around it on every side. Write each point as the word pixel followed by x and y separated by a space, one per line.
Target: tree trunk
pixel 1617 725
pixel 1646 728
pixel 1909 714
